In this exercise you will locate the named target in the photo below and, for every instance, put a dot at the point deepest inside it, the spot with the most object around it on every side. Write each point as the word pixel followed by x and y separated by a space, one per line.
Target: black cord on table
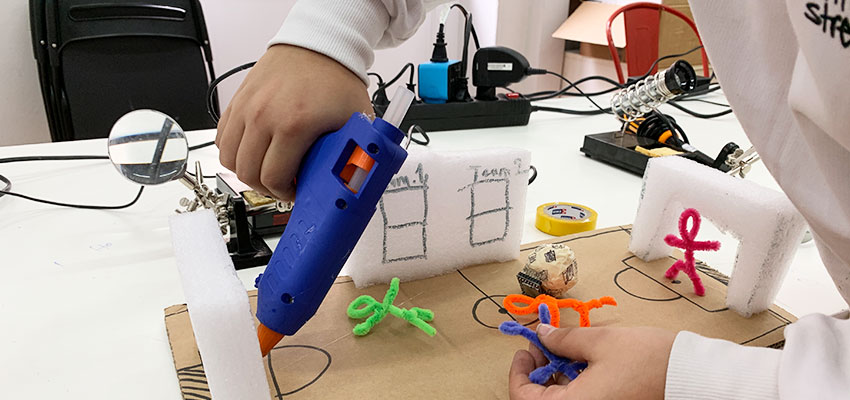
pixel 192 174
pixel 615 86
pixel 210 110
pixel 697 114
pixel 714 103
pixel 566 111
pixel 423 142
pixel 8 183
pixel 549 94
pixel 599 109
pixel 533 176
pixel 202 145
pixel 50 158
pixel 83 206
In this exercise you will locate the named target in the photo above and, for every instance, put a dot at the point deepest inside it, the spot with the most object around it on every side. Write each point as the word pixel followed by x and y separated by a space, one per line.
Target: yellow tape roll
pixel 559 219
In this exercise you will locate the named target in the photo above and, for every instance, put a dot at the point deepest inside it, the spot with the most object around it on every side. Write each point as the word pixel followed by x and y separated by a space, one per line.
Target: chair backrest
pixel 40 46
pixel 642 23
pixel 108 57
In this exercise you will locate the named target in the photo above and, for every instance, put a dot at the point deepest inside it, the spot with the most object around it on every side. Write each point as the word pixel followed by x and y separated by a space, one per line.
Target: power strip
pixel 466 115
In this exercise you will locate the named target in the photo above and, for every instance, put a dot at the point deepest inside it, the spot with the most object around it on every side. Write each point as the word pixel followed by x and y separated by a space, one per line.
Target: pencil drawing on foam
pixel 488 178
pixel 409 229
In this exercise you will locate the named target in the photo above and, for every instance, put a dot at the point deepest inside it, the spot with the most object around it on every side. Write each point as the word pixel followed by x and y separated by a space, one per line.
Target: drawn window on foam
pixel 489 205
pixel 404 210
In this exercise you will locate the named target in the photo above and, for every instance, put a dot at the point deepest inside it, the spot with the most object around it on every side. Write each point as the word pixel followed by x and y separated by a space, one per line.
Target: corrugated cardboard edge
pixel 587 24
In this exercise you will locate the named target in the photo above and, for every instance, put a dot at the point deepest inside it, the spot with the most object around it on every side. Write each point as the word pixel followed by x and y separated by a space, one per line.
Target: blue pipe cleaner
pixel 556 363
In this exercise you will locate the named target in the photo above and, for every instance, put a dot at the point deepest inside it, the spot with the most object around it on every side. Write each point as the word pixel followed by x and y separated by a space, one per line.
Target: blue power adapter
pixel 437 80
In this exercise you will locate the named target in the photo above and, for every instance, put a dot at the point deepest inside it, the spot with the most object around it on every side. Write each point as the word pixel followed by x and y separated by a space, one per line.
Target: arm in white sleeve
pixel 789 86
pixel 815 364
pixel 349 30
pixel 703 368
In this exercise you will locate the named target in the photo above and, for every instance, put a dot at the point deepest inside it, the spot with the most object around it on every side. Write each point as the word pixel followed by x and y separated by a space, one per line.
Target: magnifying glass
pixel 148 147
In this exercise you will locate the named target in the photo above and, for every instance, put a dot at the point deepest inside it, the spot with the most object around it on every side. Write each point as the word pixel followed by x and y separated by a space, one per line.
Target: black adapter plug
pixel 380 98
pixel 498 66
pixel 439 53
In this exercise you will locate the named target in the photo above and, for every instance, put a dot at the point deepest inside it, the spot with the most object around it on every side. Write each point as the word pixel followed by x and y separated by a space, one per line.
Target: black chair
pixel 99 59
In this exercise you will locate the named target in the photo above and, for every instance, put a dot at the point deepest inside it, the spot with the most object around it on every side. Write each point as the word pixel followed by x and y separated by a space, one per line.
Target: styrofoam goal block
pixel 444 211
pixel 766 224
pixel 218 308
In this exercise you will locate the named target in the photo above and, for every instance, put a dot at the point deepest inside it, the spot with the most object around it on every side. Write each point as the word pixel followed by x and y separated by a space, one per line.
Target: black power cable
pixel 50 158
pixel 667 57
pixel 380 94
pixel 533 176
pixel 8 184
pixel 6 190
pixel 470 30
pixel 616 86
pixel 549 94
pixel 426 139
pixel 202 145
pixel 82 206
pixel 214 84
pixel 565 110
pixel 376 75
pixel 210 109
pixel 700 115
pixel 599 109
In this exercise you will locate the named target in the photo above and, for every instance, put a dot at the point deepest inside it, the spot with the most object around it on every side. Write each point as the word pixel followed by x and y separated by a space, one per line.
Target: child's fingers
pixel 577 344
pixel 519 386
pixel 539 359
pixel 522 365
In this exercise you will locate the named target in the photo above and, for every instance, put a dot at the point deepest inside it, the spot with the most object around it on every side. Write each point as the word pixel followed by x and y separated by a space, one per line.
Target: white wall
pixel 239 31
pixel 22 117
pixel 528 29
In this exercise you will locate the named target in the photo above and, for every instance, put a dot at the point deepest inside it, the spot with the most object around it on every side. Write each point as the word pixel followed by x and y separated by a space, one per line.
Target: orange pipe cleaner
pixel 530 306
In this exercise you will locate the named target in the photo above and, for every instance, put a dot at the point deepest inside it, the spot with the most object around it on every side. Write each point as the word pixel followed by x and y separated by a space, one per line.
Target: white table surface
pixel 82 292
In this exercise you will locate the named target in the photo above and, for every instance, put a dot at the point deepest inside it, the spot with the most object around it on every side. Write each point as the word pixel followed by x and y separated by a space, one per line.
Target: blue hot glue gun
pixel 339 183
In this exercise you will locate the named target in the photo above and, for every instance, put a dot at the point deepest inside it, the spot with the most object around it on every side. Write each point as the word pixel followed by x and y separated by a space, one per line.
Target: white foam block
pixel 444 211
pixel 219 309
pixel 764 221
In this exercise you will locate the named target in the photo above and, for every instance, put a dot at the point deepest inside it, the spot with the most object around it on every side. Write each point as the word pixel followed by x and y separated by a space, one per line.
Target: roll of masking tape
pixel 559 219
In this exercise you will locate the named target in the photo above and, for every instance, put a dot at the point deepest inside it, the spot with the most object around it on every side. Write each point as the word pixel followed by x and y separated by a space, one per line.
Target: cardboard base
pixel 469 358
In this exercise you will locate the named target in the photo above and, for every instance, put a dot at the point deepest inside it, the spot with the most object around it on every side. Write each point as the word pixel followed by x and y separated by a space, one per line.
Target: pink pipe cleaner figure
pixel 689 245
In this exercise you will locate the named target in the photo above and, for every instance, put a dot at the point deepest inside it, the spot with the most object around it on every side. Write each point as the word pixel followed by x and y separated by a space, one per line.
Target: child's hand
pixel 623 363
pixel 288 99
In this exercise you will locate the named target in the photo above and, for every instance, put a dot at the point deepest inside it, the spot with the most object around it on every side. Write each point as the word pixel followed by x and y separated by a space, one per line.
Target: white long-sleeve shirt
pixel 785 70
pixel 349 30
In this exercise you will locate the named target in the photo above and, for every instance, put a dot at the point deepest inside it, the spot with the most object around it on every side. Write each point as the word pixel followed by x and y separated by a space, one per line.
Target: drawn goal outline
pixel 506 178
pixel 423 186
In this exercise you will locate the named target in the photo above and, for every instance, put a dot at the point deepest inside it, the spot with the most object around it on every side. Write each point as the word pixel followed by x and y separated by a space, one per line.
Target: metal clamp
pixel 206 198
pixel 741 162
